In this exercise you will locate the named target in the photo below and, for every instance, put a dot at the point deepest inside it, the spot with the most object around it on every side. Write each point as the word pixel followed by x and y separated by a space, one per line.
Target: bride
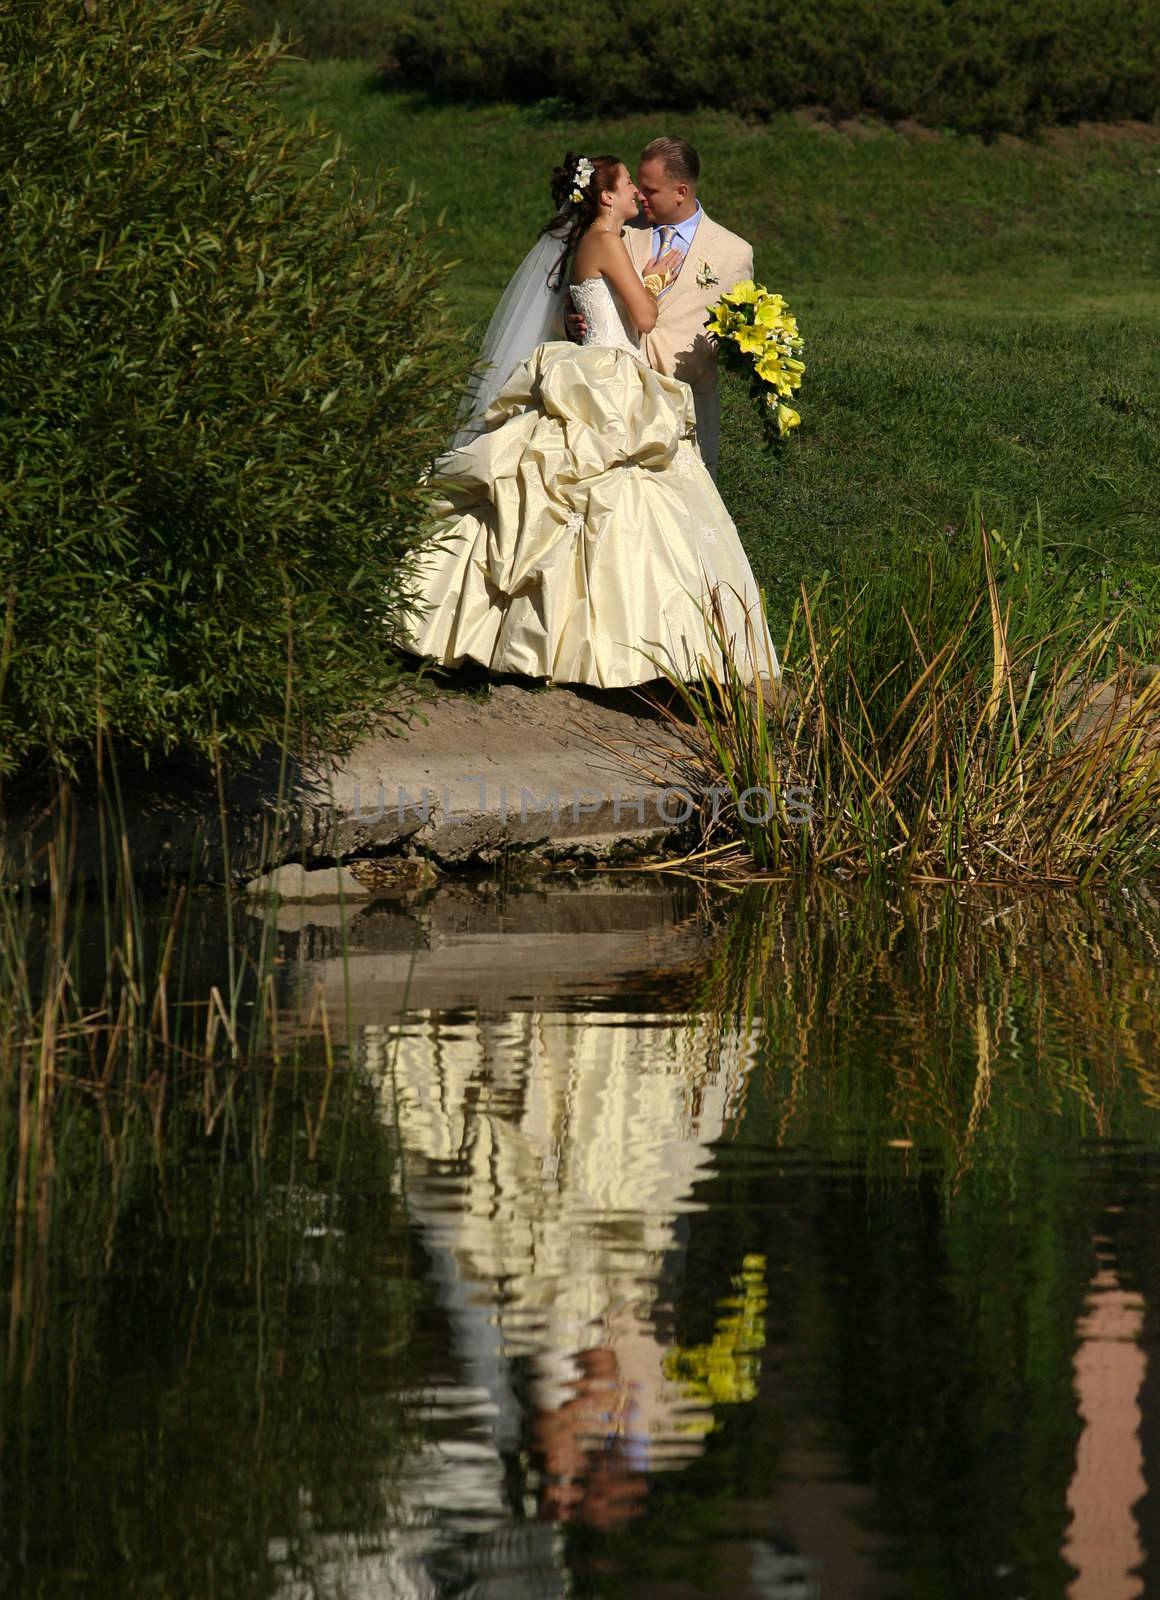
pixel 580 536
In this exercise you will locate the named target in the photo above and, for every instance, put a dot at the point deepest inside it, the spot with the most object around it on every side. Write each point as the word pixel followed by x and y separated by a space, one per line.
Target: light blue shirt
pixel 683 233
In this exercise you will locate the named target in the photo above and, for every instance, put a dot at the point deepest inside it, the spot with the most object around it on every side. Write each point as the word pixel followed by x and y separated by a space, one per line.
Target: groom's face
pixel 661 197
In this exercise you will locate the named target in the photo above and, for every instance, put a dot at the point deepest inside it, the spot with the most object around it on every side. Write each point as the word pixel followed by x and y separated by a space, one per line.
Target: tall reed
pixel 962 716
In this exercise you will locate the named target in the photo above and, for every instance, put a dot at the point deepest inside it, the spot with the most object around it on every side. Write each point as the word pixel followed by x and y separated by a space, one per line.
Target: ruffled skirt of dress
pixel 581 537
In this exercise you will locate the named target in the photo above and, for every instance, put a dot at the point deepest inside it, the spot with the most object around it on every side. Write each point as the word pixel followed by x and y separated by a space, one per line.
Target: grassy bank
pixel 978 317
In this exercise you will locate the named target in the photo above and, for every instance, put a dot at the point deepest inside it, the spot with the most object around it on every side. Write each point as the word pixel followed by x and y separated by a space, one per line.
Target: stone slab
pixel 556 773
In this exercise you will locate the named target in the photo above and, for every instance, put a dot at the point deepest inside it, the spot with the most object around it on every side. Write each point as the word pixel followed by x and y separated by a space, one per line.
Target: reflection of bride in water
pixel 547 1161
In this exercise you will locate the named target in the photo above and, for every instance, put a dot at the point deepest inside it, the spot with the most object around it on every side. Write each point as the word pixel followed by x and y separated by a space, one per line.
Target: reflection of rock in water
pixel 503 951
pixel 547 1158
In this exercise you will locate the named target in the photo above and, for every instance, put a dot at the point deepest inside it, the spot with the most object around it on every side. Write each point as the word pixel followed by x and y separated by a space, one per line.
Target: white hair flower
pixel 581 179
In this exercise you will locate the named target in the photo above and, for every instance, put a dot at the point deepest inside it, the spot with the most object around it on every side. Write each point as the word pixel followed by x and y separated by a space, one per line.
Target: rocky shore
pixel 545 774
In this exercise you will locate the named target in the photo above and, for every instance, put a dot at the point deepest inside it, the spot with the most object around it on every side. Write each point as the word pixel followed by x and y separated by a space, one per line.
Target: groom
pixel 697 261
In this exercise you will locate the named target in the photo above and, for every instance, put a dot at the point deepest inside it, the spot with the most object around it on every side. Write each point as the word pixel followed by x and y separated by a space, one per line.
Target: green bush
pixel 982 66
pixel 223 365
pixel 322 29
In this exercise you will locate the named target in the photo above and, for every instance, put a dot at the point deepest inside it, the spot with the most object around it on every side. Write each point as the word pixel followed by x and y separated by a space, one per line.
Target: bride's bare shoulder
pixel 595 250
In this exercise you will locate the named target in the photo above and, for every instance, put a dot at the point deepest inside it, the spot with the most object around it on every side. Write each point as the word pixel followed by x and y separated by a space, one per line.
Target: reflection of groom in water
pixel 592 1470
pixel 696 261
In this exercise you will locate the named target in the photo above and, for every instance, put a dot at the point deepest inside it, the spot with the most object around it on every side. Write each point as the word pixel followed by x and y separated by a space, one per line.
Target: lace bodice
pixel 606 323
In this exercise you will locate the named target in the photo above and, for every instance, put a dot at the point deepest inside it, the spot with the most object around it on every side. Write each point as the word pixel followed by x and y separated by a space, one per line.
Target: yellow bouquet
pixel 727 1370
pixel 757 335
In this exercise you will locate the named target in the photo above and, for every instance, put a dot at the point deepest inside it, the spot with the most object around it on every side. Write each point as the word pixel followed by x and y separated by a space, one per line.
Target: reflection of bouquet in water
pixel 725 1371
pixel 757 335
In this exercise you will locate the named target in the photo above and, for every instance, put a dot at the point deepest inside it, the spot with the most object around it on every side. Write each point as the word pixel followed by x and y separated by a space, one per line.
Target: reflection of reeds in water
pixel 928 1018
pixel 185 1305
pixel 193 1336
pixel 119 1036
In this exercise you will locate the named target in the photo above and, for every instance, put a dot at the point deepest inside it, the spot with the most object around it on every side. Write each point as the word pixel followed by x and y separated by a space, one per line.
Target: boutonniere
pixel 705 277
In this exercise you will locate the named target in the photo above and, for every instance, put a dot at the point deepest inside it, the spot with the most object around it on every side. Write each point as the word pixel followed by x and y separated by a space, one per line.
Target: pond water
pixel 627 1238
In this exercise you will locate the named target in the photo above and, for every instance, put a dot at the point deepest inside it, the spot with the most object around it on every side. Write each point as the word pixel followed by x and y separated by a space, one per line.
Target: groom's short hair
pixel 677 156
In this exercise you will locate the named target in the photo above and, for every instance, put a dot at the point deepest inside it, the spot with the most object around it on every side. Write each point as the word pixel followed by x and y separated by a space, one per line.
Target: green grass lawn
pixel 979 318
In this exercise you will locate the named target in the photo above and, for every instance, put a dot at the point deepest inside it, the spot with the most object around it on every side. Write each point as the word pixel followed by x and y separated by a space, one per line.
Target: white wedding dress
pixel 581 537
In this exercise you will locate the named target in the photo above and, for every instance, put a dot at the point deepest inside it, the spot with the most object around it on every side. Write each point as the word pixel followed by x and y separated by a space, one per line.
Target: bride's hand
pixel 667 265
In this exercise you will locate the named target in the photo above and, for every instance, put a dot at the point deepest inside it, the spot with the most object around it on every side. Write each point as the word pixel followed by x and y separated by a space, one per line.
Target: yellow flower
pixel 751 340
pixel 744 293
pixel 787 418
pixel 724 320
pixel 769 313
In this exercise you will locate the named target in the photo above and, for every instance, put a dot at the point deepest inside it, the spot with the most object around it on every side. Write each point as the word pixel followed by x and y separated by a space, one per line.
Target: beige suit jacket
pixel 678 345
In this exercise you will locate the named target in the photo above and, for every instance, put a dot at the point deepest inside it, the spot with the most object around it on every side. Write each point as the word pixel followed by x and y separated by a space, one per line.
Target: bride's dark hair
pixel 572 216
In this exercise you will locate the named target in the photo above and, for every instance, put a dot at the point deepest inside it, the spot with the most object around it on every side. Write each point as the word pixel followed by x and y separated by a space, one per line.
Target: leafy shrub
pixel 223 365
pixel 350 29
pixel 982 66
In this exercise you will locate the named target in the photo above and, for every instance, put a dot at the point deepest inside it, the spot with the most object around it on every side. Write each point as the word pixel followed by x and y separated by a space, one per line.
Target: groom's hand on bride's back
pixel 574 325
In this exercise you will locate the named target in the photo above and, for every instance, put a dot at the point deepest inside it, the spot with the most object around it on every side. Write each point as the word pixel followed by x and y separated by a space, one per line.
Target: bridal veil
pixel 528 315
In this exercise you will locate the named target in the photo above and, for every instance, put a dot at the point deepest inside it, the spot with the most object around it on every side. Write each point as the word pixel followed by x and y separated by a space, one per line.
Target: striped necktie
pixel 666 242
